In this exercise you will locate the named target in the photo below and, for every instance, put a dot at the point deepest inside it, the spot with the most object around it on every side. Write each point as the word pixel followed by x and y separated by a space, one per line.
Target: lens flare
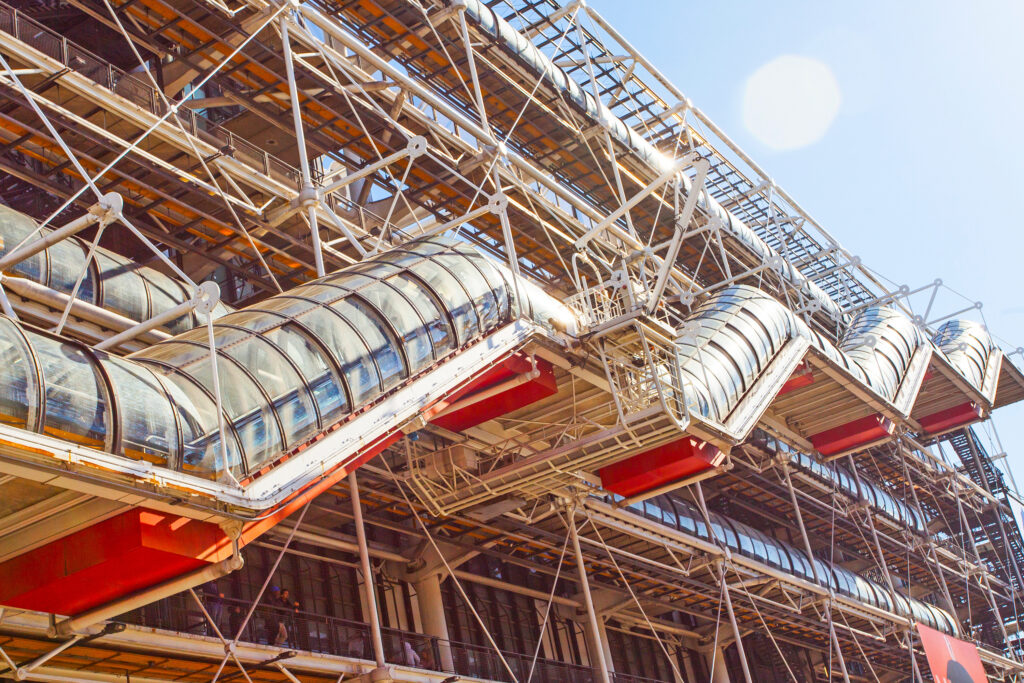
pixel 791 102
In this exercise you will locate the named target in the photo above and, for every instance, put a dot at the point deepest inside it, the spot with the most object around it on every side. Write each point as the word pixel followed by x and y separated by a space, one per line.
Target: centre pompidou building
pixel 439 340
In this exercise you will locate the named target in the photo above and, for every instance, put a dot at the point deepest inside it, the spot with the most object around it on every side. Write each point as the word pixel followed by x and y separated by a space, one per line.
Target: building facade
pixel 449 340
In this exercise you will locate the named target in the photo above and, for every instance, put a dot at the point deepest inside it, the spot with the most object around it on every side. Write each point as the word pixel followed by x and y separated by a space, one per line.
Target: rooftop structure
pixel 436 340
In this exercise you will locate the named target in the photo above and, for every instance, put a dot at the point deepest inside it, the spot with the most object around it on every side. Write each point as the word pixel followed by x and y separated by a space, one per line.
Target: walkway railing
pixel 132 88
pixel 313 632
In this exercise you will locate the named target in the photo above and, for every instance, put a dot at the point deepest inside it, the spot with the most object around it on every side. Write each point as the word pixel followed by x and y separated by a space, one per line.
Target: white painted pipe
pixel 110 610
pixel 490 392
pixel 29 289
pixel 145 326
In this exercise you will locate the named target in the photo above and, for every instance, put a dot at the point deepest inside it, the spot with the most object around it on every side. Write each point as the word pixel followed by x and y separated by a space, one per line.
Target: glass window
pixel 243 403
pixel 403 259
pixel 351 353
pixel 374 269
pixel 762 550
pixel 454 297
pixel 478 288
pixel 406 321
pixel 201 454
pixel 272 371
pixel 176 352
pixel 746 543
pixel 383 346
pixel 254 321
pixel 148 428
pixel 166 294
pixel 722 531
pixel 801 565
pixel 290 306
pixel 16 228
pixel 494 279
pixel 327 388
pixel 67 260
pixel 431 312
pixel 76 399
pixel 121 289
pixel 19 393
pixel 785 558
pixel 321 293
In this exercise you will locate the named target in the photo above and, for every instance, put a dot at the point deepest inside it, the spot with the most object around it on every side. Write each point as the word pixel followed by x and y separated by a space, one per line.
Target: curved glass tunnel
pixel 749 542
pixel 112 282
pixel 290 366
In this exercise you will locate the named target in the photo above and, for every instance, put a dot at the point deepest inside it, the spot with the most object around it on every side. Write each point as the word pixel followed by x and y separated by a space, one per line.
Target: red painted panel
pixel 135 550
pixel 801 377
pixel 951 659
pixel 658 466
pixel 121 555
pixel 957 416
pixel 505 402
pixel 853 434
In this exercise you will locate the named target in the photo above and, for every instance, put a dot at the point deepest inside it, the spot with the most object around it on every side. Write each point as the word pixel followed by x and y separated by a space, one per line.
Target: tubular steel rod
pixel 364 561
pixel 595 630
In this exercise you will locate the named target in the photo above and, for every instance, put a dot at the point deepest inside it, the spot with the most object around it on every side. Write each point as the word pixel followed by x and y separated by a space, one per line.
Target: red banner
pixel 951 660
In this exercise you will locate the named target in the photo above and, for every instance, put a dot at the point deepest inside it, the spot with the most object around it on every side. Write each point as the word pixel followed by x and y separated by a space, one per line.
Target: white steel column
pixel 814 568
pixel 431 603
pixel 732 619
pixel 714 659
pixel 595 629
pixel 307 195
pixel 364 560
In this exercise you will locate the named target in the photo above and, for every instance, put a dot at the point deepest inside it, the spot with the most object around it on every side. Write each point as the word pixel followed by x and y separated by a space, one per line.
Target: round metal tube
pixel 364 560
pixel 595 630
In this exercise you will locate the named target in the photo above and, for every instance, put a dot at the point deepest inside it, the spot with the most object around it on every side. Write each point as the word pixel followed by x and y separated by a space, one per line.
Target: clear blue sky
pixel 922 168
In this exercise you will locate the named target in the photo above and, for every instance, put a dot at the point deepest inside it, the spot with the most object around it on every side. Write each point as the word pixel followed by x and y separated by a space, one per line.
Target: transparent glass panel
pixel 121 288
pixel 493 277
pixel 148 429
pixel 177 352
pixel 254 321
pixel 167 294
pixel 67 260
pixel 200 428
pixel 327 388
pixel 76 399
pixel 351 279
pixel 288 394
pixel 407 322
pixel 383 346
pixel 403 259
pixel 351 353
pixel 452 295
pixel 19 393
pixel 429 309
pixel 338 288
pixel 245 406
pixel 14 229
pixel 478 288
pixel 374 269
pixel 290 306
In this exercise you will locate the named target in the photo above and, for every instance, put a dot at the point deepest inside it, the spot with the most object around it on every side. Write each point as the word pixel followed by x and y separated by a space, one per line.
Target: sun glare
pixel 791 102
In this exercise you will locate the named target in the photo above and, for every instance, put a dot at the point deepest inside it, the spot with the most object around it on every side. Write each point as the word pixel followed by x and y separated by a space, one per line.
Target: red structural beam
pixel 662 465
pixel 505 402
pixel 856 434
pixel 951 418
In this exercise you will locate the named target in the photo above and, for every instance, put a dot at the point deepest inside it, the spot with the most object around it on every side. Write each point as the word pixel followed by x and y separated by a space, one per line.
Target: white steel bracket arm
pixel 682 223
pixel 608 222
pixel 416 147
pixel 103 212
pixel 206 298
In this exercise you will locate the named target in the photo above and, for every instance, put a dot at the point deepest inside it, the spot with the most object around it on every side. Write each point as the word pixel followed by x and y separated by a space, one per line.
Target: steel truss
pixel 267 143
